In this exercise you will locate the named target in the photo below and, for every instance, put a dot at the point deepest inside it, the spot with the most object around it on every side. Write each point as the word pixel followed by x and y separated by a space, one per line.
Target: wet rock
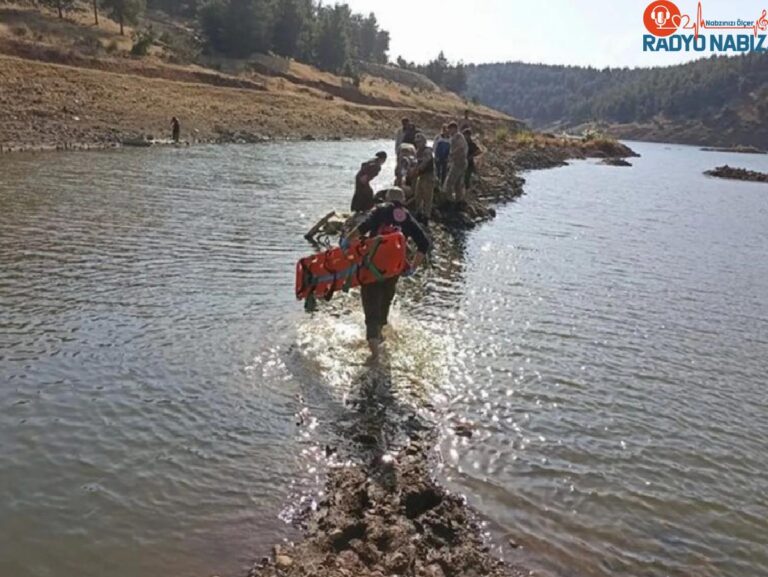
pixel 419 500
pixel 737 174
pixel 463 430
pixel 401 523
pixel 433 570
pixel 616 162
pixel 283 561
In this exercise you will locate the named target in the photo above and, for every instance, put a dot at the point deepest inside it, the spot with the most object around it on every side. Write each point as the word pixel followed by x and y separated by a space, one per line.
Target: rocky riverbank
pixel 737 174
pixel 390 518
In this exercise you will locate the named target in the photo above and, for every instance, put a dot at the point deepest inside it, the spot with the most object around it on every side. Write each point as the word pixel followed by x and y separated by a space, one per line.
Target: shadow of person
pixel 376 424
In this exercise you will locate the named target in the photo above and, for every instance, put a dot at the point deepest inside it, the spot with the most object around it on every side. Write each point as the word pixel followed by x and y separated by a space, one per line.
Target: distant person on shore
pixel 409 137
pixel 406 135
pixel 406 160
pixel 362 200
pixel 441 148
pixel 424 175
pixel 401 135
pixel 454 182
pixel 175 129
pixel 474 151
pixel 377 297
pixel 466 123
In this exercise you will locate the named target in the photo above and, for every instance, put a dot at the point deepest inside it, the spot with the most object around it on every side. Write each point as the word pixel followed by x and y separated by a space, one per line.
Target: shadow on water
pixel 376 423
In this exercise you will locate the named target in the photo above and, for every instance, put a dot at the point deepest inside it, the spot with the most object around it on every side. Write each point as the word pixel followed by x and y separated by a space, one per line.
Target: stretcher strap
pixel 368 261
pixel 350 277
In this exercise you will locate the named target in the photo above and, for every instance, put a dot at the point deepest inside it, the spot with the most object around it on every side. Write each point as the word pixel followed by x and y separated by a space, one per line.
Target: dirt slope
pixel 68 83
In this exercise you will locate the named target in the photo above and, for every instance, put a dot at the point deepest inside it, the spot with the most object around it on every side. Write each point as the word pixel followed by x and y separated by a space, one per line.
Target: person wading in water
pixel 363 201
pixel 377 297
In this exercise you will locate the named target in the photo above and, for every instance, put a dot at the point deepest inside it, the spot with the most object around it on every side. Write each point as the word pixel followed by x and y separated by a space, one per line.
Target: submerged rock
pixel 615 162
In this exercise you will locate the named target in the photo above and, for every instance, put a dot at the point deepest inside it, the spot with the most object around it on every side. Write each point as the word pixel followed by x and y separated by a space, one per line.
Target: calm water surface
pixel 164 400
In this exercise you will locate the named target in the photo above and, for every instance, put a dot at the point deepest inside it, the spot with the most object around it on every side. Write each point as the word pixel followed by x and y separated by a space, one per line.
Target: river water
pixel 165 402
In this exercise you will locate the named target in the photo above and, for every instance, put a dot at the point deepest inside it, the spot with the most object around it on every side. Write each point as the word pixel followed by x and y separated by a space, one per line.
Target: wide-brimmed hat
pixel 395 194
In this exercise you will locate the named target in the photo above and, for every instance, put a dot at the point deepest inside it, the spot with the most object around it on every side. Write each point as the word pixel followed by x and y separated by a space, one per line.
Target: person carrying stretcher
pixel 377 297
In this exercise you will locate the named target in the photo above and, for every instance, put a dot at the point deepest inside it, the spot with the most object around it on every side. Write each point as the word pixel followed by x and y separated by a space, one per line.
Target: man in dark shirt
pixel 409 137
pixel 362 201
pixel 473 151
pixel 442 150
pixel 175 129
pixel 377 297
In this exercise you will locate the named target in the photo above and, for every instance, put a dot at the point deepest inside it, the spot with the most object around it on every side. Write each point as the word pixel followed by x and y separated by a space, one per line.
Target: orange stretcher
pixel 367 260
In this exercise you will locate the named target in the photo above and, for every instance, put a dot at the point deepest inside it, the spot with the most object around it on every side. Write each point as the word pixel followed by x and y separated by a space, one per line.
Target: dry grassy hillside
pixel 71 83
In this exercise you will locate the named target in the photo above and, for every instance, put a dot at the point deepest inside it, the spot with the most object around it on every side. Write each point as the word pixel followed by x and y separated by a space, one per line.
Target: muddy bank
pixel 737 174
pixel 390 518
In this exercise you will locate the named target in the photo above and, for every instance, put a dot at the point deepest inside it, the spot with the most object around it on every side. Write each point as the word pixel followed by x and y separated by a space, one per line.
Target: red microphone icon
pixel 662 18
pixel 660 15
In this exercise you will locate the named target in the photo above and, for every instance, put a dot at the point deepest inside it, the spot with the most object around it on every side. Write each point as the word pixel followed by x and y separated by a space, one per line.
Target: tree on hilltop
pixel 125 11
pixel 333 43
pixel 60 5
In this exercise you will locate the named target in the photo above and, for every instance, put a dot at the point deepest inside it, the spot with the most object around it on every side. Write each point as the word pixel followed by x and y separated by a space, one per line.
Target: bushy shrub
pixel 142 42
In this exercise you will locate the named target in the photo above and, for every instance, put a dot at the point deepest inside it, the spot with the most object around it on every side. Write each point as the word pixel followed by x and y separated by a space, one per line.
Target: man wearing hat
pixel 362 201
pixel 377 297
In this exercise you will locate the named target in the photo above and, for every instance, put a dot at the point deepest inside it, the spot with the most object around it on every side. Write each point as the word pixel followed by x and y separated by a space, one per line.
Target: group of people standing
pixel 445 168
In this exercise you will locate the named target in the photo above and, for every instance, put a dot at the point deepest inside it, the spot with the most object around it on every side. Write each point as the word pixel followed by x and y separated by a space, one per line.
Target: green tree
pixel 382 47
pixel 369 31
pixel 61 6
pixel 186 8
pixel 333 43
pixel 437 69
pixel 237 27
pixel 212 18
pixel 125 11
pixel 328 36
pixel 291 18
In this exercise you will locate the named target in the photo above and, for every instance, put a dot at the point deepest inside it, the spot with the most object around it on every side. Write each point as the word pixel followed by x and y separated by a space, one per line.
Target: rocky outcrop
pixel 392 519
pixel 615 162
pixel 739 149
pixel 737 174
